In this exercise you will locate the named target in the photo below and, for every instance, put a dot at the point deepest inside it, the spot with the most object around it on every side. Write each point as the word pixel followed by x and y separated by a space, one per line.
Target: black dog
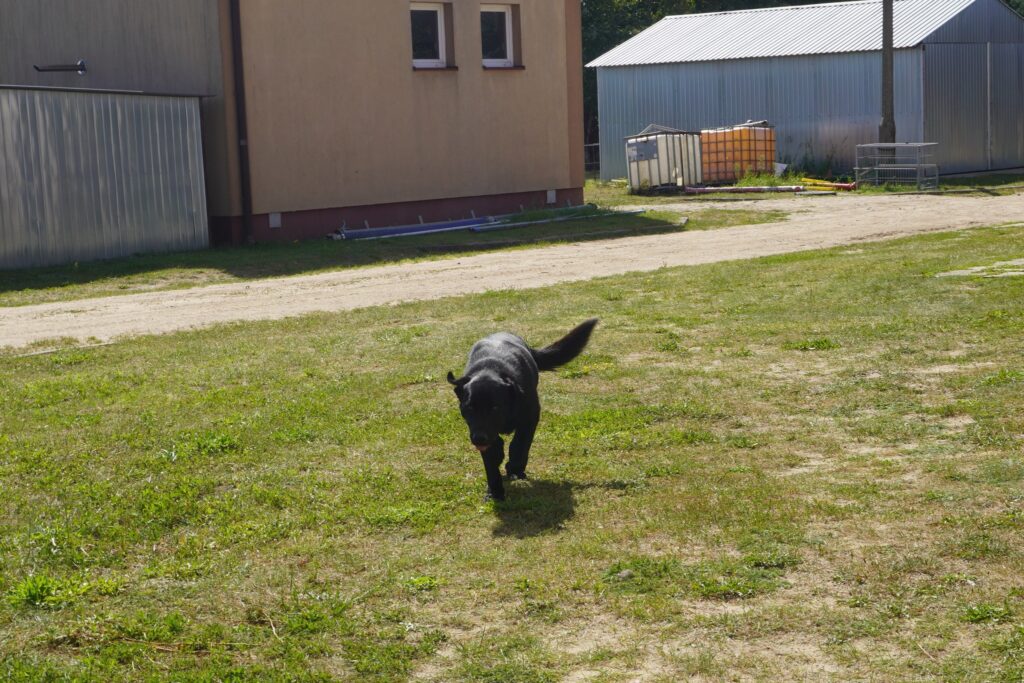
pixel 498 395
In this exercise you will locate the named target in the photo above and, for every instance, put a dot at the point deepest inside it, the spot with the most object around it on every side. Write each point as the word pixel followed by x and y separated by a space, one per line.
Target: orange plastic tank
pixel 731 153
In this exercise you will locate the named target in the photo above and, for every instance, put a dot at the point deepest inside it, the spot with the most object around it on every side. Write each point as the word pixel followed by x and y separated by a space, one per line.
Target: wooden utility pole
pixel 887 130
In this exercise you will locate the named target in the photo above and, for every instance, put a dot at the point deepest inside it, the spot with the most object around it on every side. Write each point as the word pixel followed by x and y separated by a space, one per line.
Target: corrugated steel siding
pixel 782 32
pixel 157 46
pixel 90 176
pixel 984 21
pixel 167 46
pixel 822 106
pixel 976 116
pixel 1007 103
pixel 956 105
pixel 975 132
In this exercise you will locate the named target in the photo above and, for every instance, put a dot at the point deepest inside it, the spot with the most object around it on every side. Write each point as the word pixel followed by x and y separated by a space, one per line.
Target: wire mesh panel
pixel 901 163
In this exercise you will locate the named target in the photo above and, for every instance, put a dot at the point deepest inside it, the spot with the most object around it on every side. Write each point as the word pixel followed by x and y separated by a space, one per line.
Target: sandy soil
pixel 814 223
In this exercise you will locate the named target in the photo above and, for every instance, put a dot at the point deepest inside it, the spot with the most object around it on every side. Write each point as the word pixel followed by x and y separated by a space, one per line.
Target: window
pixel 429 35
pixel 498 36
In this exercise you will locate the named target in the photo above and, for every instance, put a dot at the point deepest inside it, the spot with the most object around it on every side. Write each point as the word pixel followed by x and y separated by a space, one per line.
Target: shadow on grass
pixel 276 260
pixel 535 507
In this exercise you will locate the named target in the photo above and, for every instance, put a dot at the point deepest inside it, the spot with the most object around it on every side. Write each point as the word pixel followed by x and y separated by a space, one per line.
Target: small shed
pixel 814 72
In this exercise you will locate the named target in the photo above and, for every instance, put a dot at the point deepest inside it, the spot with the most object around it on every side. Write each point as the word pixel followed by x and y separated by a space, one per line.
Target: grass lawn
pixel 798 468
pixel 994 184
pixel 617 193
pixel 992 180
pixel 218 266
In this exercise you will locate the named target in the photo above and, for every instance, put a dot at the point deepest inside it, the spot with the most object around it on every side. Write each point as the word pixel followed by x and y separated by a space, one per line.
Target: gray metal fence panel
pixel 87 176
pixel 822 106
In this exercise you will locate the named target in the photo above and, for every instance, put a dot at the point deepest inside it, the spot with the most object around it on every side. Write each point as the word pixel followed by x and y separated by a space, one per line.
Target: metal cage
pixel 901 163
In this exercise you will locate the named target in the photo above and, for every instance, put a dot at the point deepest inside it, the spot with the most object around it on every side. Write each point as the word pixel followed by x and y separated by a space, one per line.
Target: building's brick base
pixel 300 225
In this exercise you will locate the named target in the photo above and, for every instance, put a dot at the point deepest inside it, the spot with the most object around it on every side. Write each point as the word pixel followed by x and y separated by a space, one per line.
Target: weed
pixel 743 441
pixel 730 580
pixel 823 344
pixel 1004 378
pixel 986 612
pixel 1010 653
pixel 38 590
pixel 717 580
pixel 422 584
pixel 507 658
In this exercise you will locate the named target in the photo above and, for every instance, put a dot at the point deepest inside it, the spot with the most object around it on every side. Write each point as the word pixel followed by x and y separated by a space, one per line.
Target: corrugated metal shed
pixel 821 106
pixel 781 32
pixel 814 72
pixel 93 175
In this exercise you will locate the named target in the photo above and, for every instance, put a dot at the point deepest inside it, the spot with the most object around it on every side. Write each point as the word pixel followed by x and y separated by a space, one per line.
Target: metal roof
pixel 781 32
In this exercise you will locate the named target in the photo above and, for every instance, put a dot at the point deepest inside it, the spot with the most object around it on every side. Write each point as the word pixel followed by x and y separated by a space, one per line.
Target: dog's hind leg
pixel 519 449
pixel 492 466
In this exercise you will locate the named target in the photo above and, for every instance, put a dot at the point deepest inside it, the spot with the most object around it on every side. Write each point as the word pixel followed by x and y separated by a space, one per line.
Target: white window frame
pixel 511 60
pixel 442 39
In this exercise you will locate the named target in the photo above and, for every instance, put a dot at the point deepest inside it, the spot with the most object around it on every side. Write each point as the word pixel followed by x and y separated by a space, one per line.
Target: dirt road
pixel 814 223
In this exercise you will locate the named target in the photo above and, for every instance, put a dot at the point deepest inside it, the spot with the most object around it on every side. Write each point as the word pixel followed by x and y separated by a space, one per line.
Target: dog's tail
pixel 566 348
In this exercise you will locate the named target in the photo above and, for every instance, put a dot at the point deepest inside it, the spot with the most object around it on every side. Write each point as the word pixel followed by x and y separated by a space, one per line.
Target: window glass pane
pixel 426 43
pixel 494 34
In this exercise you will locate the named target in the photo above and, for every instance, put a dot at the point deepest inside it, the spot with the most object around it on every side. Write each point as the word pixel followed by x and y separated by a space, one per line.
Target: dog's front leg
pixel 519 449
pixel 492 466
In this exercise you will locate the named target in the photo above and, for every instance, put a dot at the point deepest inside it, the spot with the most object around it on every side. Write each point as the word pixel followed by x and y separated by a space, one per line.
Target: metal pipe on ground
pixel 486 224
pixel 432 228
pixel 745 190
pixel 563 219
pixel 417 229
pixel 505 244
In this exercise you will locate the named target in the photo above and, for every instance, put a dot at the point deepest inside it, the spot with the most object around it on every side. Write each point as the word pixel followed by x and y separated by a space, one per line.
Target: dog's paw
pixel 517 476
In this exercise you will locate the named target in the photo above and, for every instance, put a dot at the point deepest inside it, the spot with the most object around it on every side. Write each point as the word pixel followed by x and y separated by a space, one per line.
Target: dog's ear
pixel 459 384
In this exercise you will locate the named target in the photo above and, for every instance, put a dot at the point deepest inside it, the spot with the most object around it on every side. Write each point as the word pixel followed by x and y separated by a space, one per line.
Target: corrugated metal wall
pixel 822 106
pixel 161 46
pixel 973 105
pixel 1007 105
pixel 93 175
pixel 167 46
pixel 956 106
pixel 984 21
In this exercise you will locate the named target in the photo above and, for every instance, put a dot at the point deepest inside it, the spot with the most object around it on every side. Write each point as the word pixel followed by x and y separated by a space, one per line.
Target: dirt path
pixel 814 223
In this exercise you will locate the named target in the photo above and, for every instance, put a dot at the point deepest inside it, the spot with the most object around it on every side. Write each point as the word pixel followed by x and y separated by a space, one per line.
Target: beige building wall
pixel 338 117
